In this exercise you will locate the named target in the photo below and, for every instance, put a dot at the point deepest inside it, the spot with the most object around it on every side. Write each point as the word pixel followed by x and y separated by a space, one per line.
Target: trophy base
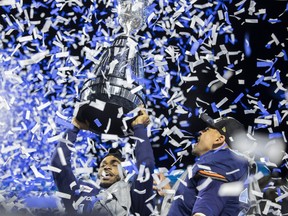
pixel 108 121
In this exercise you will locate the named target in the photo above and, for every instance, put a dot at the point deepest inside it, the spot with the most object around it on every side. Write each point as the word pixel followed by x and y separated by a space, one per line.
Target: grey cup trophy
pixel 116 89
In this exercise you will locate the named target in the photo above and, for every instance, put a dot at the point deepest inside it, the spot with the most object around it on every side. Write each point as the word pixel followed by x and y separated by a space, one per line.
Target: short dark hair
pixel 116 153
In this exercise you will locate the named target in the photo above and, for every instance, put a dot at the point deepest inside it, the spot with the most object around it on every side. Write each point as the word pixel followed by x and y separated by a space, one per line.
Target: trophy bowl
pixel 108 98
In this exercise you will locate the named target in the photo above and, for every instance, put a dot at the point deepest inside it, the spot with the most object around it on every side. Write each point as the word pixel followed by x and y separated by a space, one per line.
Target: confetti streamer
pixel 62 195
pixel 61 156
pixel 45 61
pixel 231 189
pixel 36 172
pixel 204 184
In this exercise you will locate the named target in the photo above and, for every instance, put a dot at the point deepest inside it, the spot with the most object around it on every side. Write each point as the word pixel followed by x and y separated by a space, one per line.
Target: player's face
pixel 208 137
pixel 108 172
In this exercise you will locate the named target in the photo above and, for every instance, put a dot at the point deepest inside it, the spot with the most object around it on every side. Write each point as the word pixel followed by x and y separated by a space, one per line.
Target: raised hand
pixel 142 118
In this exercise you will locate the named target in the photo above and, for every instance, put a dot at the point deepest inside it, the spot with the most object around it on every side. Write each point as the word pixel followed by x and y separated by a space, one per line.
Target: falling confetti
pixel 213 55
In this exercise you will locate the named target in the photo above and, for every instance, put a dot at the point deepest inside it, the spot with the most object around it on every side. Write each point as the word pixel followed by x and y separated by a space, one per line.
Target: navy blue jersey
pixel 200 194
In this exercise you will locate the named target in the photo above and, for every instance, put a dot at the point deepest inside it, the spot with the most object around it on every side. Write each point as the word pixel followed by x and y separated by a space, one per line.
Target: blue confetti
pixel 171 169
pixel 194 47
pixel 241 95
pixel 164 157
pixel 214 108
pixel 247 47
pixel 278 116
pixel 275 135
pixel 58 80
pixel 285 55
pixel 63 123
pixel 97 122
pixel 264 64
pixel 261 107
pixel 260 80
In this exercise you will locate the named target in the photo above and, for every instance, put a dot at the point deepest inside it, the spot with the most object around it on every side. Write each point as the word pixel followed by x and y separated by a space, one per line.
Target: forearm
pixel 62 151
pixel 61 159
pixel 144 156
pixel 143 151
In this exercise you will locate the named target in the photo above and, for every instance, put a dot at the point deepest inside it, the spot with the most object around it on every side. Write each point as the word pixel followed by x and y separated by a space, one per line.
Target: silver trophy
pixel 116 90
pixel 132 15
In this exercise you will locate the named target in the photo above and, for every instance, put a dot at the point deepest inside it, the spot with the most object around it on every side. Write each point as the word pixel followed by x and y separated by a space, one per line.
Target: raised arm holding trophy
pixel 114 88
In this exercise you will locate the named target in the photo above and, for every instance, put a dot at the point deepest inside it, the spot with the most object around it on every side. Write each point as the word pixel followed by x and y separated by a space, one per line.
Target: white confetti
pixel 100 105
pixel 140 192
pixel 109 137
pixel 61 156
pixel 136 89
pixel 25 38
pixel 204 184
pixel 63 195
pixel 7 2
pixel 51 168
pixel 262 121
pixel 144 174
pixel 231 189
pixel 36 172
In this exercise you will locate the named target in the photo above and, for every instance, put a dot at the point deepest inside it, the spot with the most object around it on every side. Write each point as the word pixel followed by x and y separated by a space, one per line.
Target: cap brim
pixel 208 120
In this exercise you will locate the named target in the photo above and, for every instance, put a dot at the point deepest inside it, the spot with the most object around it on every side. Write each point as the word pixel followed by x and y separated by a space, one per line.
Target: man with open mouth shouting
pixel 115 195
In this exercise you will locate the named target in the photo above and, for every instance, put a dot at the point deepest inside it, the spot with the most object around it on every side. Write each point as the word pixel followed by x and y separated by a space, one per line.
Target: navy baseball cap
pixel 227 126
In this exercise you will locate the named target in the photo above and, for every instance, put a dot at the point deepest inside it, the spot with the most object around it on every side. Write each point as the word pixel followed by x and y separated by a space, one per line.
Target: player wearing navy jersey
pixel 114 196
pixel 215 166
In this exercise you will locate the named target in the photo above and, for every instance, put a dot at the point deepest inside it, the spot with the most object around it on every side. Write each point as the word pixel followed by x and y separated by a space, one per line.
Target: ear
pixel 220 140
